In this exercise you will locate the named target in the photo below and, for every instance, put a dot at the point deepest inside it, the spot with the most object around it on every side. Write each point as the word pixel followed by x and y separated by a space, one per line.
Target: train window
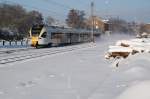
pixel 44 35
pixel 36 30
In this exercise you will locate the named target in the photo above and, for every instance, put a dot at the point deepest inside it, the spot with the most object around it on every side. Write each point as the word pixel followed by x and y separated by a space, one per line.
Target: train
pixel 43 35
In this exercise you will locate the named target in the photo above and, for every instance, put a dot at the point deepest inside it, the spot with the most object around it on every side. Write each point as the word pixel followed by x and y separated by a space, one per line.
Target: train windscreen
pixel 36 30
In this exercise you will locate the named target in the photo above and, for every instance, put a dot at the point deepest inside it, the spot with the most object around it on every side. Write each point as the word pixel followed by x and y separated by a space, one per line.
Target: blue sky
pixel 138 10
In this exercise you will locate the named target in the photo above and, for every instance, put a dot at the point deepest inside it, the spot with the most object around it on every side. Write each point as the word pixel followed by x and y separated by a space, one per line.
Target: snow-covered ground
pixel 83 73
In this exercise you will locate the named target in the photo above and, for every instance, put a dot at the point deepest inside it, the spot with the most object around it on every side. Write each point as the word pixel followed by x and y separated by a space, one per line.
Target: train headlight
pixel 34 41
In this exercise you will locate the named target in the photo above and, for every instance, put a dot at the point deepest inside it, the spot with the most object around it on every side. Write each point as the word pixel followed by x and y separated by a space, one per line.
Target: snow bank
pixel 132 72
pixel 120 49
pixel 138 91
pixel 136 72
pixel 125 47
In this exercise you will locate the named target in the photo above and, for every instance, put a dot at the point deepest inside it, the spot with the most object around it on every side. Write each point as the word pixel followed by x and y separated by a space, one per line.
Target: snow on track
pixel 24 54
pixel 7 51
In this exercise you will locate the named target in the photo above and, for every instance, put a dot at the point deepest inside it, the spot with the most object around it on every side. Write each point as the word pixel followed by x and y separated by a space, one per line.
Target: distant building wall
pixel 147 28
pixel 98 24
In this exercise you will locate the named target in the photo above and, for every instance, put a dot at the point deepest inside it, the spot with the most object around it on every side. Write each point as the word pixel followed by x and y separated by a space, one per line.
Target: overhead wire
pixel 52 14
pixel 59 4
pixel 48 10
pixel 64 5
pixel 33 7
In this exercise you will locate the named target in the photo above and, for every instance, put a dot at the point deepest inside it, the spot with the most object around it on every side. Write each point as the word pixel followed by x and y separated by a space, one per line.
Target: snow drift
pixel 138 91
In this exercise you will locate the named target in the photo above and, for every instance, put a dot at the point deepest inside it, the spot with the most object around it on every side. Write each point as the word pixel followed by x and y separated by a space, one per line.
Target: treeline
pixel 118 25
pixel 78 19
pixel 15 21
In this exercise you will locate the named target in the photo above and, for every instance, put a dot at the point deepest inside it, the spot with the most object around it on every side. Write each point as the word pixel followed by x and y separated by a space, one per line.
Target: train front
pixel 37 35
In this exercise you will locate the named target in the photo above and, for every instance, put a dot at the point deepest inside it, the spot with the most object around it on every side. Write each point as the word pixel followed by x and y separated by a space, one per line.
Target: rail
pixel 36 53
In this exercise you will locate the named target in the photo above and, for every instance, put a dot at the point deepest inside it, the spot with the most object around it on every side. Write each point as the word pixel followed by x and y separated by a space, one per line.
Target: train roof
pixel 62 29
pixel 69 30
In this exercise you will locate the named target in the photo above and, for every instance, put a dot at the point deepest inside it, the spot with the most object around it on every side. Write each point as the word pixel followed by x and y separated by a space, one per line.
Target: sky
pixel 130 10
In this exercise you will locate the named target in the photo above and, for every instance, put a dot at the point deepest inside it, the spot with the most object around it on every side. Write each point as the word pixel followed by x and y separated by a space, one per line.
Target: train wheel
pixel 37 46
pixel 49 45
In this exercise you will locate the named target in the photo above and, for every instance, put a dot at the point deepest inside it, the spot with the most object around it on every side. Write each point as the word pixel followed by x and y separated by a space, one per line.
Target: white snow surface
pixel 79 74
pixel 138 91
pixel 140 45
pixel 119 49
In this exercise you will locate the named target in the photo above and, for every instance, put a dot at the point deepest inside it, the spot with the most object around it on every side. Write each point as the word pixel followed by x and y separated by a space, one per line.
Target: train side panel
pixel 58 36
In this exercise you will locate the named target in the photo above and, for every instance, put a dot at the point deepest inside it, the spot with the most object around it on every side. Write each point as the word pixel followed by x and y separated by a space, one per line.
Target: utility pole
pixel 92 16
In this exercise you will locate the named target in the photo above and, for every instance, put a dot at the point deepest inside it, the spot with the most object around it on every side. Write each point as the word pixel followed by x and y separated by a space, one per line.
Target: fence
pixel 4 43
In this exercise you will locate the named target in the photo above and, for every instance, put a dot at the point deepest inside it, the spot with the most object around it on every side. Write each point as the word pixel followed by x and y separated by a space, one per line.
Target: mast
pixel 92 17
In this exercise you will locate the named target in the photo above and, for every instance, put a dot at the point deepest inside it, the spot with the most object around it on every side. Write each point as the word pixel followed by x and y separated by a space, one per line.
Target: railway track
pixel 30 54
pixel 10 51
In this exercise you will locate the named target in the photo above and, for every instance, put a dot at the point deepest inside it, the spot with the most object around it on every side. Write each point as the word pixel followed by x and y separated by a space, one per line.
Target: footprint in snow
pixel 2 92
pixel 121 85
pixel 26 84
pixel 51 76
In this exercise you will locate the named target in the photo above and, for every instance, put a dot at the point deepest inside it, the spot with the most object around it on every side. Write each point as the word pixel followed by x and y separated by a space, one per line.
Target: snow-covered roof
pixel 105 20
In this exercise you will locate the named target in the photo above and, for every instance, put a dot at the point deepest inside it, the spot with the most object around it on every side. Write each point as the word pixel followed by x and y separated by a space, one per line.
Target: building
pixel 146 28
pixel 98 23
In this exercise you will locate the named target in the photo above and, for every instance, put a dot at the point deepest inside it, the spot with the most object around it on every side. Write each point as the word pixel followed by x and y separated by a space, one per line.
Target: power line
pixel 64 6
pixel 52 1
pixel 47 10
pixel 33 7
pixel 59 4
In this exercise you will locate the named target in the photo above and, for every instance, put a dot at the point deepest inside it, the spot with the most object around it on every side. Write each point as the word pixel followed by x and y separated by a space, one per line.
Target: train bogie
pixel 43 41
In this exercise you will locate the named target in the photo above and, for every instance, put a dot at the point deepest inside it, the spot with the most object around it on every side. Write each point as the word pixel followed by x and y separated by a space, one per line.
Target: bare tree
pixel 76 19
pixel 16 19
pixel 49 20
pixel 120 25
